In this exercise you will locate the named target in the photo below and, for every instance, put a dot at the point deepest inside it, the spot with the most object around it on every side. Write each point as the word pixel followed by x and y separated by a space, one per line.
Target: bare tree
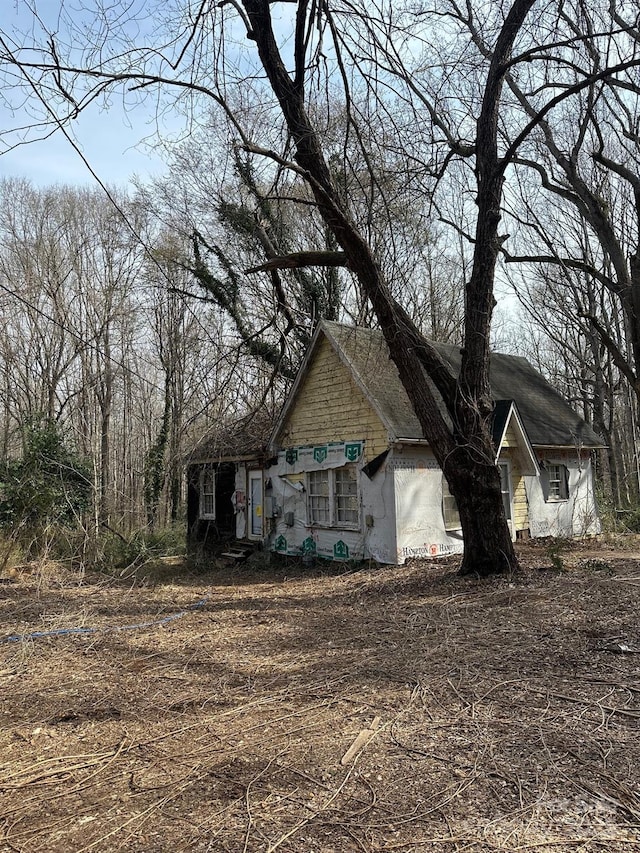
pixel 583 161
pixel 471 137
pixel 107 260
pixel 88 343
pixel 558 339
pixel 36 275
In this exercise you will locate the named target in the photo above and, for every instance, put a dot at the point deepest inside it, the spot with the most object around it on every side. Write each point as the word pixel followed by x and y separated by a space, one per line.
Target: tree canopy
pixel 371 122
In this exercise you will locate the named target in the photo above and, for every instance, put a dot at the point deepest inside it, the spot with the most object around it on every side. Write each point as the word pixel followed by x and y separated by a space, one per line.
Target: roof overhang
pixel 526 454
pixel 216 458
pixel 573 448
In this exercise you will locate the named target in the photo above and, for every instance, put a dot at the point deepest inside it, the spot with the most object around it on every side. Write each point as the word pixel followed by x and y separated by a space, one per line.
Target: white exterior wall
pixel 239 501
pixel 418 506
pixel 401 507
pixel 375 536
pixel 379 503
pixel 576 516
pixel 400 510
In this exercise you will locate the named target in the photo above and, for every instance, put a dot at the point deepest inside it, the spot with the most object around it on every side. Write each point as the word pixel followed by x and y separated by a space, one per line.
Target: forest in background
pixel 116 356
pixel 132 327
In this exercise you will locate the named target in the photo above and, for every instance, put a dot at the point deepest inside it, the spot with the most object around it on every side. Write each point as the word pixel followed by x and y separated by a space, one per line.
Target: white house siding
pixel 291 532
pixel 418 506
pixel 401 505
pixel 576 516
pixel 240 501
pixel 379 503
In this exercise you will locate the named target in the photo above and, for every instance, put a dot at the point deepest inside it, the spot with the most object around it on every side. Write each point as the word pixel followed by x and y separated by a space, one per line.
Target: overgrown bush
pixel 47 490
pixel 617 519
pixel 118 552
pixel 629 519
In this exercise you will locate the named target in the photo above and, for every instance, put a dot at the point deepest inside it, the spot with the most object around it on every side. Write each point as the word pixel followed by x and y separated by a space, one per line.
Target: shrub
pixel 49 486
pixel 141 547
pixel 630 518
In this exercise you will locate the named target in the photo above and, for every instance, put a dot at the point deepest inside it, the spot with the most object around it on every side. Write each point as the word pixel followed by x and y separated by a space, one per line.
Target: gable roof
pixel 548 419
pixel 505 417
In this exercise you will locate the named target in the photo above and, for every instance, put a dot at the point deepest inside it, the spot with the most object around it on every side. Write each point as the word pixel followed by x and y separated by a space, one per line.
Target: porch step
pixel 237 554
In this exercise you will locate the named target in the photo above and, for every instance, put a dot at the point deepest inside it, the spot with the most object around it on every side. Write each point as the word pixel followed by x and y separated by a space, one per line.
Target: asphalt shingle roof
pixel 548 418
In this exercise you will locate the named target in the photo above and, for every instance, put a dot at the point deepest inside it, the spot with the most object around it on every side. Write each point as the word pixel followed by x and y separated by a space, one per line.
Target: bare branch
pixel 296 260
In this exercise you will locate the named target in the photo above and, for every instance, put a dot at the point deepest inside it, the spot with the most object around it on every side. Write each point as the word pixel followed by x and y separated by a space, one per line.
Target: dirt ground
pixel 498 715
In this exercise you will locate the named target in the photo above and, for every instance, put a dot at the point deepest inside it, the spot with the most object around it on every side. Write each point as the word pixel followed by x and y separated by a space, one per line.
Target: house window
pixel 346 497
pixel 332 497
pixel 557 483
pixel 208 493
pixel 449 508
pixel 318 497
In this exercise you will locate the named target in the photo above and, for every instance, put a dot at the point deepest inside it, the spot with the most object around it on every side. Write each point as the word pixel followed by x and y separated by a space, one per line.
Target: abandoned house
pixel 225 475
pixel 347 473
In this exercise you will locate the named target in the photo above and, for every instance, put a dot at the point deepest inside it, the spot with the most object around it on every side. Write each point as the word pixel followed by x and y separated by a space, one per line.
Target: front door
pixel 255 505
pixel 507 496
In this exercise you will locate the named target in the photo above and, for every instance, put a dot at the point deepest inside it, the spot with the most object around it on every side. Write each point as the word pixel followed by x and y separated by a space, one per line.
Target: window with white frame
pixel 208 493
pixel 332 497
pixel 450 511
pixel 557 482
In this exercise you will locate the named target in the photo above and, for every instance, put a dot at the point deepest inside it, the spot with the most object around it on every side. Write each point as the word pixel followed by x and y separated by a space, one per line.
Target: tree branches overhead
pixel 334 148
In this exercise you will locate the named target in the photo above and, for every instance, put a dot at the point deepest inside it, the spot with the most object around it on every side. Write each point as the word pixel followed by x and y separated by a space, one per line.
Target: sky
pixel 113 140
pixel 117 143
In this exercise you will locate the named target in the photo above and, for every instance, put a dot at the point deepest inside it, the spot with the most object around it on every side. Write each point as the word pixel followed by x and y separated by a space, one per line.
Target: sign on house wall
pixel 293 534
pixel 318 457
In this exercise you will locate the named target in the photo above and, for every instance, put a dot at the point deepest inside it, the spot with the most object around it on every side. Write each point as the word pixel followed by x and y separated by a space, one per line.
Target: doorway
pixel 255 505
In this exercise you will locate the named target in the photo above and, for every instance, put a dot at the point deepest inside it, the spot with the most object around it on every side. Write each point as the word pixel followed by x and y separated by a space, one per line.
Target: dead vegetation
pixel 498 715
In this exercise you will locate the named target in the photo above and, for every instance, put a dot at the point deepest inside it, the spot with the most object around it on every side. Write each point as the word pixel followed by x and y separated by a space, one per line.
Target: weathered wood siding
pixel 510 439
pixel 330 407
pixel 520 505
pixel 509 449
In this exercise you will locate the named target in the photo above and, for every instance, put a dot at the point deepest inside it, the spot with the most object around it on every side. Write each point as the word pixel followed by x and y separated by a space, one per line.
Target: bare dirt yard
pixel 326 709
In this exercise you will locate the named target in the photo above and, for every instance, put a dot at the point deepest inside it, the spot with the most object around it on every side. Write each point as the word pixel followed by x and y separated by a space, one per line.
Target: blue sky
pixel 111 140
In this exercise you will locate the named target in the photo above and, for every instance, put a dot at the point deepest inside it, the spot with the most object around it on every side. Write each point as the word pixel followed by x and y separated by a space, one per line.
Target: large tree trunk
pixel 488 548
pixel 466 455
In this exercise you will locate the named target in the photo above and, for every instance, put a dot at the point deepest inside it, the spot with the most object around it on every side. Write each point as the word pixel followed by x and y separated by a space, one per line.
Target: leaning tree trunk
pixel 465 454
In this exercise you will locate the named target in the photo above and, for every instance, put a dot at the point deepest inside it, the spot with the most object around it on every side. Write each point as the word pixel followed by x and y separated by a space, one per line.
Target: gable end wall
pixel 330 407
